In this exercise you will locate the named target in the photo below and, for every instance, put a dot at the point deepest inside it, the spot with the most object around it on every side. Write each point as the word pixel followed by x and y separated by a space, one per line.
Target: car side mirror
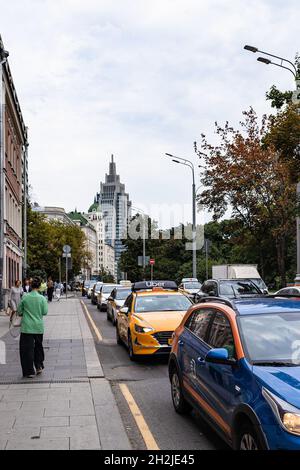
pixel 124 310
pixel 219 356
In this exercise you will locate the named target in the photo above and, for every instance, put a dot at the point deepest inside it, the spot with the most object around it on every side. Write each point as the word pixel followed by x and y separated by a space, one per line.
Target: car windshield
pixel 192 285
pixel 272 337
pixel 98 286
pixel 238 288
pixel 259 283
pixel 122 294
pixel 107 289
pixel 162 303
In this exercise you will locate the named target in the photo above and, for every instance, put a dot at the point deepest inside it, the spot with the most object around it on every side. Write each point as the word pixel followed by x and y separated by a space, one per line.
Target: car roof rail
pixel 222 300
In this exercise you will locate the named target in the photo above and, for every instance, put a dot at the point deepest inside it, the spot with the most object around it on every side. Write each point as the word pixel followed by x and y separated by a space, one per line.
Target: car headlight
pixel 287 415
pixel 142 329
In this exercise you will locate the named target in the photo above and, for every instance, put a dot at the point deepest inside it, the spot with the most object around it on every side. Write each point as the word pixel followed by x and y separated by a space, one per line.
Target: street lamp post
pixel 296 101
pixel 184 161
pixel 140 211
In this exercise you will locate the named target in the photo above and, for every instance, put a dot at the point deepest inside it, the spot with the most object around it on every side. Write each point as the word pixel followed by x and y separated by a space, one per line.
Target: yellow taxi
pixel 151 313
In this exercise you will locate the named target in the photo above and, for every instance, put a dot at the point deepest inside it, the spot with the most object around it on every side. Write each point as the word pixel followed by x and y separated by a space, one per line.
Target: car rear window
pixel 162 303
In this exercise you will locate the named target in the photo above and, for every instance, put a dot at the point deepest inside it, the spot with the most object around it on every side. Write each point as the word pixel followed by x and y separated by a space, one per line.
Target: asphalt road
pixel 147 381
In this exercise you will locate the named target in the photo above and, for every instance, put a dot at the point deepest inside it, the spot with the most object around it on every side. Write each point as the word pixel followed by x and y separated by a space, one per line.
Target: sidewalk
pixel 70 405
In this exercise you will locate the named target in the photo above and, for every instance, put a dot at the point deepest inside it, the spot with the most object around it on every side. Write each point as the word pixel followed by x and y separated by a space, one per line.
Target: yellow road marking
pixel 96 330
pixel 139 419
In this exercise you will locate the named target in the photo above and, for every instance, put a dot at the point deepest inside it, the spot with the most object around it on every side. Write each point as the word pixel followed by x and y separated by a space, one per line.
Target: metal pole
pixel 206 257
pixel 151 272
pixel 144 249
pixel 66 275
pixel 25 210
pixel 189 163
pixel 296 101
pixel 194 227
pixel 59 269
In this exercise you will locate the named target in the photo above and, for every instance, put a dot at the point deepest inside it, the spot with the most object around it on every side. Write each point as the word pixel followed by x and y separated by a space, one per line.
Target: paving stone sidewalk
pixel 71 405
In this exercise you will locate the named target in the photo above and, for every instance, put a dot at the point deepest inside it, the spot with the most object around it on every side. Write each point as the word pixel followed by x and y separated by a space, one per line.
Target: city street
pixel 148 382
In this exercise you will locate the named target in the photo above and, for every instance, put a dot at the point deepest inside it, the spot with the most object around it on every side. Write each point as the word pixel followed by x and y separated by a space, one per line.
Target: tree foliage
pixel 247 176
pixel 45 243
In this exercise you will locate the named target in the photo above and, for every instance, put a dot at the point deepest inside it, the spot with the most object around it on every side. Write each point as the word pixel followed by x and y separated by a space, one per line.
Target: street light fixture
pixel 264 60
pixel 255 49
pixel 296 100
pixel 268 61
pixel 184 161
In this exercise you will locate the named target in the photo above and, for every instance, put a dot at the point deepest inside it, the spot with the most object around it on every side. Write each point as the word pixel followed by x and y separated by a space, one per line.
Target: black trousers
pixel 50 291
pixel 31 353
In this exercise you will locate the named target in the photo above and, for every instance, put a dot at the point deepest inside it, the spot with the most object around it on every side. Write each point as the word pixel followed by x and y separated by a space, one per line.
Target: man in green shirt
pixel 32 309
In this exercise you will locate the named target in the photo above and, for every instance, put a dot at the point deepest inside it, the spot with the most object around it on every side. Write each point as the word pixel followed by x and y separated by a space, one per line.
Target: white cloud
pixel 137 79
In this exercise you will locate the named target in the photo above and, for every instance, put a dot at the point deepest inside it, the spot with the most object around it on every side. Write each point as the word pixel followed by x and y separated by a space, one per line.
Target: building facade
pixel 54 213
pixel 14 180
pixel 90 266
pixel 116 208
pixel 105 252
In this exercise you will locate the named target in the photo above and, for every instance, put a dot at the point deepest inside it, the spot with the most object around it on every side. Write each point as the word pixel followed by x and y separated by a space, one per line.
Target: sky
pixel 137 78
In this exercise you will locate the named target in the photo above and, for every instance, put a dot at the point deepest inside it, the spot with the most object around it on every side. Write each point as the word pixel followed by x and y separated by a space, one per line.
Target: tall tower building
pixel 116 209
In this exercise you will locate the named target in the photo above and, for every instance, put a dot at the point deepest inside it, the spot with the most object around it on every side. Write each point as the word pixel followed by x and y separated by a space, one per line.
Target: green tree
pixel 248 177
pixel 45 243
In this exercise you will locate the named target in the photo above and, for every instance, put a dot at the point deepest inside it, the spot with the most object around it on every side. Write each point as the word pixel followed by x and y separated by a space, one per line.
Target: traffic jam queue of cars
pixel 234 358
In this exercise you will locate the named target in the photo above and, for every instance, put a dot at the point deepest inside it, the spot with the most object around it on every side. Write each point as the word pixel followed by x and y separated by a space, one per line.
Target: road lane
pixel 147 381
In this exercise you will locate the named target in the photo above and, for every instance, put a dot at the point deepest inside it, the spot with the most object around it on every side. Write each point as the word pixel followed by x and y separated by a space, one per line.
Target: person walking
pixel 32 309
pixel 43 288
pixel 26 286
pixel 50 289
pixel 15 295
pixel 57 290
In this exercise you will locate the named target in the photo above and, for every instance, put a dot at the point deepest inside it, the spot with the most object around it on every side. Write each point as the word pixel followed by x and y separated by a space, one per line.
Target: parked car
pixel 103 295
pixel 293 290
pixel 190 287
pixel 95 291
pixel 85 287
pixel 116 301
pixel 236 363
pixel 231 288
pixel 90 288
pixel 146 322
pixel 239 271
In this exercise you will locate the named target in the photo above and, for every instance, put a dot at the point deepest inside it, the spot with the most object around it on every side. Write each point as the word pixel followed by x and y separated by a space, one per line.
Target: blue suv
pixel 237 362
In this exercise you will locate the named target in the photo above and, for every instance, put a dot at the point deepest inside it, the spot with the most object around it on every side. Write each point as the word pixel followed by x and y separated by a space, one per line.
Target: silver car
pixel 103 295
pixel 116 301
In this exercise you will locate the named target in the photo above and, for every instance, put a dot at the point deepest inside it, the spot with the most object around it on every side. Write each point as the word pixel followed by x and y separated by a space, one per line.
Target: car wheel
pixel 132 356
pixel 119 341
pixel 248 439
pixel 180 404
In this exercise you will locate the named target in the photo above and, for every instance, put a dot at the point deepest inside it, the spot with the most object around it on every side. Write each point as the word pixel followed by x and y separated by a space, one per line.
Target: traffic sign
pixel 67 249
pixel 66 255
pixel 152 261
pixel 140 260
